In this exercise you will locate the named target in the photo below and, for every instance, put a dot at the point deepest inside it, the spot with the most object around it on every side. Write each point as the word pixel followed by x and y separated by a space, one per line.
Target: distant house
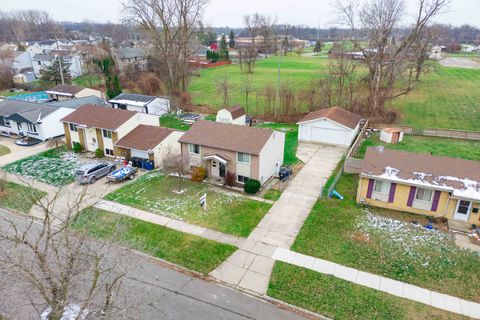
pixel 65 92
pixel 424 184
pixel 35 120
pixel 232 115
pixel 22 62
pixel 241 151
pixel 40 61
pixel 24 77
pixel 135 58
pixel 141 103
pixel 150 143
pixel 335 126
pixel 96 127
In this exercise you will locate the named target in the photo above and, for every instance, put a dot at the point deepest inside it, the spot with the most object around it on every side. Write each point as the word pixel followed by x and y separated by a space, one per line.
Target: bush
pixel 99 153
pixel 252 186
pixel 199 174
pixel 231 179
pixel 77 147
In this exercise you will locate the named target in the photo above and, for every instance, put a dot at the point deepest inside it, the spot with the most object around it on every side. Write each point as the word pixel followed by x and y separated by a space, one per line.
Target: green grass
pixel 189 251
pixel 291 140
pixel 465 149
pixel 226 213
pixel 47 166
pixel 272 194
pixel 340 299
pixel 4 150
pixel 18 197
pixel 332 232
pixel 88 81
pixel 8 93
pixel 171 121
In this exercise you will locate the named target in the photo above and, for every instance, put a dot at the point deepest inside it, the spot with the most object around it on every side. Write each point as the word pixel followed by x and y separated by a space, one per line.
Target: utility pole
pixel 278 87
pixel 59 62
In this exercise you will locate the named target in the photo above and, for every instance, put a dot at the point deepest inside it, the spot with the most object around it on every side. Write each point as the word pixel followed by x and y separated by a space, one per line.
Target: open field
pixel 384 242
pixel 340 299
pixel 465 149
pixel 229 213
pixel 19 197
pixel 186 250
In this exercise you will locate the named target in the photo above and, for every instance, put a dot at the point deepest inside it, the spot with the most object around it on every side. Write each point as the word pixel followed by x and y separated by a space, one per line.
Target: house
pixel 97 127
pixel 391 135
pixel 141 103
pixel 128 57
pixel 65 92
pixel 22 62
pixel 335 126
pixel 35 120
pixel 40 61
pixel 241 151
pixel 149 143
pixel 424 184
pixel 233 115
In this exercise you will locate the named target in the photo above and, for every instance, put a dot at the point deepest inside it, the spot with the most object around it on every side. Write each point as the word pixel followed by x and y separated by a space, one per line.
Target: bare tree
pixel 58 267
pixel 247 89
pixel 22 25
pixel 223 87
pixel 178 165
pixel 267 31
pixel 170 26
pixel 253 24
pixel 388 62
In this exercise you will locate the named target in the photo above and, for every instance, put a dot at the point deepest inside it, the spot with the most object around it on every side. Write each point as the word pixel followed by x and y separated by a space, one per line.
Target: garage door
pixel 328 136
pixel 139 154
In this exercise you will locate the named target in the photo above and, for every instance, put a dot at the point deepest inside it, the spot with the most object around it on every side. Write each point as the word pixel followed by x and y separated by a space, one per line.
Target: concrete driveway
pixel 19 152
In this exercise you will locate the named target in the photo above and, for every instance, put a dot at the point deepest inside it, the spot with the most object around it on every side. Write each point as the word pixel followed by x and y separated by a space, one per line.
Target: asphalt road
pixel 159 292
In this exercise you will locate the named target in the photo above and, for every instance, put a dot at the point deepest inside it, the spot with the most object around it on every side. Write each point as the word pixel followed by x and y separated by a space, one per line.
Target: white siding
pixel 89 92
pixel 159 106
pixel 225 116
pixel 271 156
pixel 138 153
pixel 169 144
pixel 133 122
pixel 326 131
pixel 51 125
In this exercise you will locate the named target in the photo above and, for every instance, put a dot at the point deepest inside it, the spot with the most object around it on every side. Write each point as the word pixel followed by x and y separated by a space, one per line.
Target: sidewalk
pixel 394 287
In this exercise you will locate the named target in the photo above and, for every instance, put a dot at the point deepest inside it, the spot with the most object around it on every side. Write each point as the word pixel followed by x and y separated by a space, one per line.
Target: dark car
pixel 91 172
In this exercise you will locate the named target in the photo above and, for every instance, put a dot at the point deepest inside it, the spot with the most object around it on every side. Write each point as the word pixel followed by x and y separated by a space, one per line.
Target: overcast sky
pixel 229 13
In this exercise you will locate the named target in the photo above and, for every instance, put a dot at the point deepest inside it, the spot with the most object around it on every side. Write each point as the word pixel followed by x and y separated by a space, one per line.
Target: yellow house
pixel 423 184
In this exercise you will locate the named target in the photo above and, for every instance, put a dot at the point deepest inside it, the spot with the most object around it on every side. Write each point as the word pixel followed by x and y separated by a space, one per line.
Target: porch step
pixel 459 225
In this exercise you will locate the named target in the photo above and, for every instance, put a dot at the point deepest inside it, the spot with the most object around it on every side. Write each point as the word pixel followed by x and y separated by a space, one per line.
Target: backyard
pixel 19 197
pixel 291 140
pixel 465 149
pixel 386 243
pixel 53 166
pixel 177 247
pixel 172 121
pixel 226 212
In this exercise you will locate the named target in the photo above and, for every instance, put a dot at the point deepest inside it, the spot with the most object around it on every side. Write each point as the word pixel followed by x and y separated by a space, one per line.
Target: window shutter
pixel 436 198
pixel 411 196
pixel 391 196
pixel 371 182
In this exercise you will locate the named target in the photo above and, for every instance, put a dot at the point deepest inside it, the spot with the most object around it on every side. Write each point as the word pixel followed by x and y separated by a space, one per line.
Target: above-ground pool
pixel 40 96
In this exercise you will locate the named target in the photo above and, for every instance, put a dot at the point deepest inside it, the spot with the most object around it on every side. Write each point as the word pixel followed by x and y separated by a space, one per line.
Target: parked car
pixel 91 172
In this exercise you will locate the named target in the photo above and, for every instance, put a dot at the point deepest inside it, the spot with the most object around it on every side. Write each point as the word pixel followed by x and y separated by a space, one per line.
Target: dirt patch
pixel 460 63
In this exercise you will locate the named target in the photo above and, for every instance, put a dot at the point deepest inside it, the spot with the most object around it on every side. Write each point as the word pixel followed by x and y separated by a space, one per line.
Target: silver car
pixel 91 172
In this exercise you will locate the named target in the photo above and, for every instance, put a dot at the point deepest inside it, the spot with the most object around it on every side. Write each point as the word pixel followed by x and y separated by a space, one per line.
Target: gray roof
pixel 129 53
pixel 134 97
pixel 32 112
pixel 42 57
pixel 77 103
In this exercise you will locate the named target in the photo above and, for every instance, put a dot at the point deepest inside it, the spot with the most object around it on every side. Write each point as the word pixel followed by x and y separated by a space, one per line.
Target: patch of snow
pixel 71 312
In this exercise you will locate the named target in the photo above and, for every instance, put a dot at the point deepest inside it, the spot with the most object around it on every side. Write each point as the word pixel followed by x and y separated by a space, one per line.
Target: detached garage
pixel 335 126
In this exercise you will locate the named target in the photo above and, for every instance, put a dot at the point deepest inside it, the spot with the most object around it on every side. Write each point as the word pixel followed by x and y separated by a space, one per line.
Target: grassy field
pixel 171 121
pixel 226 213
pixel 464 149
pixel 291 140
pixel 89 81
pixel 340 299
pixel 4 150
pixel 18 197
pixel 384 242
pixel 186 250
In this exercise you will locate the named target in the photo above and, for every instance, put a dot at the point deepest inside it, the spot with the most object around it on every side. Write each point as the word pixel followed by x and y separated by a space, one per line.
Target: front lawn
pixel 386 243
pixel 19 197
pixel 291 140
pixel 4 150
pixel 189 251
pixel 465 149
pixel 340 299
pixel 172 121
pixel 226 213
pixel 272 194
pixel 51 166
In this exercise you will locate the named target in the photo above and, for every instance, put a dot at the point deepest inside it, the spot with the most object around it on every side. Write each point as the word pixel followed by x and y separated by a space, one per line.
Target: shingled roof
pixel 236 111
pixel 65 89
pixel 336 114
pixel 227 136
pixel 144 137
pixel 92 116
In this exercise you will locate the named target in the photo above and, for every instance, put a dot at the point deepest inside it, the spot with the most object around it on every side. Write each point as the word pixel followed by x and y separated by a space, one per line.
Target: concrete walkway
pixel 169 222
pixel 394 287
pixel 250 267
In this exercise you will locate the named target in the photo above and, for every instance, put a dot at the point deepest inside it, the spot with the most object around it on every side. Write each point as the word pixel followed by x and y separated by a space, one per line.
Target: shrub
pixel 199 174
pixel 231 179
pixel 252 186
pixel 99 153
pixel 77 147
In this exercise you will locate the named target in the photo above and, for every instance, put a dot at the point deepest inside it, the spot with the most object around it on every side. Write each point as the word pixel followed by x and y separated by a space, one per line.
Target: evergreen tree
pixel 231 39
pixel 223 43
pixel 117 88
pixel 52 72
pixel 113 86
pixel 318 47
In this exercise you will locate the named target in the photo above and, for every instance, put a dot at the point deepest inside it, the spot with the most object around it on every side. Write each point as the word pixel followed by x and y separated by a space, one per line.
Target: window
pixel 243 158
pixel 242 179
pixel 109 152
pixel 382 186
pixel 424 195
pixel 7 122
pixel 73 127
pixel 463 207
pixel 194 148
pixel 39 62
pixel 107 134
pixel 32 128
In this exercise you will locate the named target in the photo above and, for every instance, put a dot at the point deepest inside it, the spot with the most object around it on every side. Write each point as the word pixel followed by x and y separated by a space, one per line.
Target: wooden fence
pixel 453 134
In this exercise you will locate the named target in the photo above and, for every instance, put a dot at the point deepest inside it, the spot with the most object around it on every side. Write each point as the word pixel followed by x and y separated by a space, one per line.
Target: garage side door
pixel 328 136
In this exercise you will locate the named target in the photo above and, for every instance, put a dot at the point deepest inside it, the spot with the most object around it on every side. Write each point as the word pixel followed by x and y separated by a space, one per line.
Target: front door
pixel 214 170
pixel 222 170
pixel 463 210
